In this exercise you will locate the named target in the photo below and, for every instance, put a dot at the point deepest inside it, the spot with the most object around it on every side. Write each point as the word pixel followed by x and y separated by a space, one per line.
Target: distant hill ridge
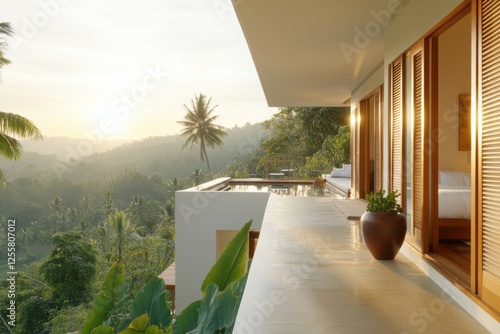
pixel 81 160
pixel 61 146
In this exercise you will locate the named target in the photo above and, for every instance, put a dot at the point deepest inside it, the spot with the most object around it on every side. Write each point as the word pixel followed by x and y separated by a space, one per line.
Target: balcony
pixel 312 274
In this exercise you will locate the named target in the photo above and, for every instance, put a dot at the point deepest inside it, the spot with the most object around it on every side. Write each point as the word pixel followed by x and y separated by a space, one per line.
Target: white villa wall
pixel 198 216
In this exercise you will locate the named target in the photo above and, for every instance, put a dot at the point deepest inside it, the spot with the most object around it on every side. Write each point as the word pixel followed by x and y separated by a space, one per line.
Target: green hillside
pixel 155 156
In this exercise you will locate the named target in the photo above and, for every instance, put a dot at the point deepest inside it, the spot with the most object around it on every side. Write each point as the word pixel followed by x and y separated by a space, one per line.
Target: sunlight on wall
pixel 454 79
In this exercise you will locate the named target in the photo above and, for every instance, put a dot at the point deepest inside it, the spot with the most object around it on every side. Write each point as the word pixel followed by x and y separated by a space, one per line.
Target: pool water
pixel 303 190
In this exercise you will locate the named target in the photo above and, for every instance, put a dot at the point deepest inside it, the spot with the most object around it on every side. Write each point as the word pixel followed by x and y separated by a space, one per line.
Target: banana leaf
pixel 187 320
pixel 232 263
pixel 140 325
pixel 153 302
pixel 218 310
pixel 105 299
pixel 103 330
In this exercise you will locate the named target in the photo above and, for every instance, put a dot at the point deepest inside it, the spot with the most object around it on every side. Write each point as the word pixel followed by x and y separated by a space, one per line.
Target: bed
pixel 454 205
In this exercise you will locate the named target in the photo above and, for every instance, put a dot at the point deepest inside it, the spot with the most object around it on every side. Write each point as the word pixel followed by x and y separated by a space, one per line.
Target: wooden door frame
pixel 364 151
pixel 455 16
pixel 365 140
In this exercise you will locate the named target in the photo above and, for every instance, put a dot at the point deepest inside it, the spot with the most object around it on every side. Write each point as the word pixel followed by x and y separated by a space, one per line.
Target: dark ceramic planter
pixel 383 233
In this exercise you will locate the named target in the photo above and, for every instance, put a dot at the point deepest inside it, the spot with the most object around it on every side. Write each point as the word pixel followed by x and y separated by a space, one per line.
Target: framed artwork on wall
pixel 464 122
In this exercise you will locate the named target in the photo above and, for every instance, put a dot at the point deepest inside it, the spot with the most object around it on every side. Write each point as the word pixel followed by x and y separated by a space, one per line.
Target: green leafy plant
pixel 222 291
pixel 232 263
pixel 218 309
pixel 105 299
pixel 151 300
pixel 70 269
pixel 215 313
pixel 379 202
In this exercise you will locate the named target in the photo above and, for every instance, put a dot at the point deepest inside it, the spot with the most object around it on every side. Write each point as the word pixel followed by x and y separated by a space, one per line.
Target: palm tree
pixel 172 186
pixel 200 128
pixel 197 176
pixel 122 232
pixel 5 30
pixel 12 125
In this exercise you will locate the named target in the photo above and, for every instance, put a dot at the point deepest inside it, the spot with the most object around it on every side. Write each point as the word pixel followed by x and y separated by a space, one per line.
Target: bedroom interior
pixel 451 229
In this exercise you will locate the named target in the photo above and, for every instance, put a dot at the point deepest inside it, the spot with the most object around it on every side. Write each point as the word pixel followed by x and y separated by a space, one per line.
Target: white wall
pixel 454 73
pixel 368 85
pixel 198 216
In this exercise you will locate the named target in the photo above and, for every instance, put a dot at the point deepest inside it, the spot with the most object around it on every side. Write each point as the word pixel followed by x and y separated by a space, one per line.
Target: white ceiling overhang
pixel 314 52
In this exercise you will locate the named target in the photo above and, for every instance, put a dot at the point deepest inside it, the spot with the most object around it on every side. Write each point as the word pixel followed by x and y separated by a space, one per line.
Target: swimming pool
pixel 283 189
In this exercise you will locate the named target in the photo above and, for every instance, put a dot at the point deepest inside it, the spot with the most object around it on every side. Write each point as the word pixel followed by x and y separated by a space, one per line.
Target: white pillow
pixel 451 178
pixel 466 178
pixel 336 172
pixel 346 170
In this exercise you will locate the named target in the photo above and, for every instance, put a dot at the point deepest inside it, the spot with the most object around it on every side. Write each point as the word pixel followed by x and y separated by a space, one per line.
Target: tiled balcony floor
pixel 312 274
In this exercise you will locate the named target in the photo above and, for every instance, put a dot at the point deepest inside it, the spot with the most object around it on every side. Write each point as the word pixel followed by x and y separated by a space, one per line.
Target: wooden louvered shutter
pixel 397 98
pixel 419 169
pixel 489 152
pixel 378 140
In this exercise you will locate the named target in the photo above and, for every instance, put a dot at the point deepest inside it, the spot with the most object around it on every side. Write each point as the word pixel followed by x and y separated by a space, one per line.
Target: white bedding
pixel 454 202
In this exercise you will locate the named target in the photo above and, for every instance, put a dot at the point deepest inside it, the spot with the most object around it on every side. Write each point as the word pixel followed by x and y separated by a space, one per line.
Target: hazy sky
pixel 124 68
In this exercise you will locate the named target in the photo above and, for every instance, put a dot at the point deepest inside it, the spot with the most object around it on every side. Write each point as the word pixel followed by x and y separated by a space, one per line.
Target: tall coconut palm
pixel 200 128
pixel 5 30
pixel 12 125
pixel 123 230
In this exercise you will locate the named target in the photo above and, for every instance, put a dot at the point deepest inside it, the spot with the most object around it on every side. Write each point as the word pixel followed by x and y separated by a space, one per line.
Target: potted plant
pixel 319 181
pixel 383 225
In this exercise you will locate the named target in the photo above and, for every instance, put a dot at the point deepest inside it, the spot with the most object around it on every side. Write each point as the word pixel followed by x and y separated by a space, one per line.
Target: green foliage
pixel 286 142
pixel 103 330
pixel 222 289
pixel 318 134
pixel 232 263
pixel 160 156
pixel 337 149
pixel 378 202
pixel 70 269
pixel 238 170
pixel 121 233
pixel 320 122
pixel 150 313
pixel 146 214
pixel 197 177
pixel 151 301
pixel 68 319
pixel 146 258
pixel 33 313
pixel 105 300
pixel 12 126
pixel 187 320
pixel 5 30
pixel 141 324
pixel 218 310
